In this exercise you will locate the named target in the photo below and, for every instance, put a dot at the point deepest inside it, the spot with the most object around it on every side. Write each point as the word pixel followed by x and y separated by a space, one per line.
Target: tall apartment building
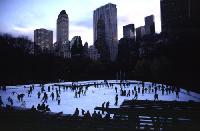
pixel 62 28
pixel 149 25
pixel 43 38
pixel 93 53
pixel 179 16
pixel 62 44
pixel 129 31
pixel 107 17
pixel 140 32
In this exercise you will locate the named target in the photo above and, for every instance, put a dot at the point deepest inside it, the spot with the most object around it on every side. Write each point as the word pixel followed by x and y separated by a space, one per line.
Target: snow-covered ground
pixel 94 96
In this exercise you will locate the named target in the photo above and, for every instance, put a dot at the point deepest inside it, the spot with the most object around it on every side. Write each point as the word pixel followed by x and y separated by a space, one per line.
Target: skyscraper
pixel 62 44
pixel 105 25
pixel 43 38
pixel 62 28
pixel 129 31
pixel 178 16
pixel 140 32
pixel 149 25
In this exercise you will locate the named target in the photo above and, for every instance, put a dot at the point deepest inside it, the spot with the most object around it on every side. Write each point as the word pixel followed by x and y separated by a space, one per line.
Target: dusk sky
pixel 22 17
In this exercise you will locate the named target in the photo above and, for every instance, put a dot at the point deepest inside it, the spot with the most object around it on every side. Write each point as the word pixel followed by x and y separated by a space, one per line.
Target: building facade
pixel 179 16
pixel 43 38
pixel 149 25
pixel 76 47
pixel 62 28
pixel 93 53
pixel 62 36
pixel 108 15
pixel 129 31
pixel 140 32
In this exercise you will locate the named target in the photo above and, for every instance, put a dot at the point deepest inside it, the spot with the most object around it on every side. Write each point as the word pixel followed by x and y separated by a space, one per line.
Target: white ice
pixel 94 96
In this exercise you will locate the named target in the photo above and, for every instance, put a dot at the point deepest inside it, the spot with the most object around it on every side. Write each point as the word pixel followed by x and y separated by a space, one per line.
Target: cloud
pixel 87 23
pixel 123 19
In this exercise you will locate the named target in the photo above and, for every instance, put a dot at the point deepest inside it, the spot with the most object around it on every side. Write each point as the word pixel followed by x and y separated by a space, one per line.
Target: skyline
pixel 23 17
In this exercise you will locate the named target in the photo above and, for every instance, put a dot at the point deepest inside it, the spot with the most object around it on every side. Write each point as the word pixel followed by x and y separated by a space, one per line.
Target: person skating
pixel 116 100
pixel 116 89
pixel 58 100
pixel 107 104
pixel 52 96
pixel 155 96
pixel 38 94
pixel 76 113
pixel 136 95
pixel 103 106
pixel 1 102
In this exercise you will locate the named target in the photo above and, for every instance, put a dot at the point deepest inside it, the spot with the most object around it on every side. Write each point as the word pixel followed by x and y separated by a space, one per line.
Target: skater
pixel 76 113
pixel 10 100
pixel 58 98
pixel 142 91
pixel 43 106
pixel 156 89
pixel 87 115
pixel 99 115
pixel 129 93
pixel 103 106
pixel 94 115
pixel 33 108
pixel 38 94
pixel 135 88
pixel 13 93
pixel 136 95
pixel 42 89
pixel 1 102
pixel 116 100
pixel 45 97
pixel 107 104
pixel 132 92
pixel 49 89
pixel 29 93
pixel 149 89
pixel 116 89
pixel 138 89
pixel 47 108
pixel 38 107
pixel 52 96
pixel 155 96
pixel 20 97
pixel 79 93
pixel 163 91
pixel 75 94
pixel 82 112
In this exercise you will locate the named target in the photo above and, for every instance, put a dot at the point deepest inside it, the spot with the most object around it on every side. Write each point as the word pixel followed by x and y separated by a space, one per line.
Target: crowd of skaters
pixel 142 89
pixel 80 90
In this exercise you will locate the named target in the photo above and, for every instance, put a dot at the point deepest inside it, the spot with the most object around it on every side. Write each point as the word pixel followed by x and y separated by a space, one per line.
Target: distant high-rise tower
pixel 140 32
pixel 62 28
pixel 108 15
pixel 129 31
pixel 149 25
pixel 43 38
pixel 178 16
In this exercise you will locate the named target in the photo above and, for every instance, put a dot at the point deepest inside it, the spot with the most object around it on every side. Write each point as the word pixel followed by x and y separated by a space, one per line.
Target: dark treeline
pixel 175 62
pixel 173 59
pixel 19 66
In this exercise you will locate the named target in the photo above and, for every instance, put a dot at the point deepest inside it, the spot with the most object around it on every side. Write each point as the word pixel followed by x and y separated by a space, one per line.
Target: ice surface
pixel 94 96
